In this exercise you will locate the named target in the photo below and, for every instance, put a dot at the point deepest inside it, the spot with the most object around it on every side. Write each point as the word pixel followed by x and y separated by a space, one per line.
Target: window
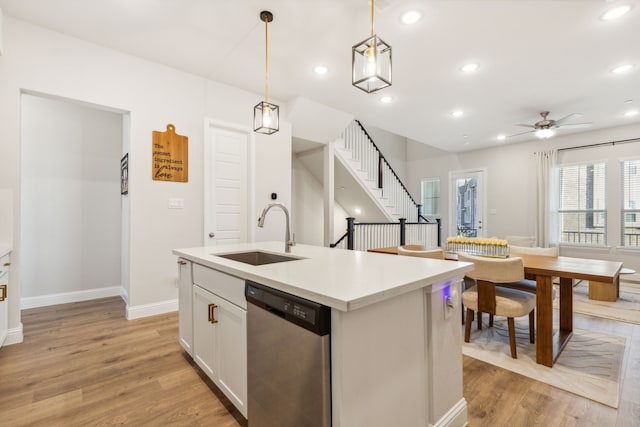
pixel 582 213
pixel 431 197
pixel 630 232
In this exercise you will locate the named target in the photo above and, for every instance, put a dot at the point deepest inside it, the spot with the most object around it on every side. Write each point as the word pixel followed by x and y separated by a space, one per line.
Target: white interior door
pixel 467 203
pixel 226 185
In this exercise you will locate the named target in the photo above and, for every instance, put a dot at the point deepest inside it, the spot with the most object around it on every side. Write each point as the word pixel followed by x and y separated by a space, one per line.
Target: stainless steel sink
pixel 257 257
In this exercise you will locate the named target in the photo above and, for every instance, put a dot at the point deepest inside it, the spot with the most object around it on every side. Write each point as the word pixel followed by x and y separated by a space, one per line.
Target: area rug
pixel 589 366
pixel 626 309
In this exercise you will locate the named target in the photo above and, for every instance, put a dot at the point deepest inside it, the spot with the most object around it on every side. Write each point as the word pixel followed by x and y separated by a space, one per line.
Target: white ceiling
pixel 534 55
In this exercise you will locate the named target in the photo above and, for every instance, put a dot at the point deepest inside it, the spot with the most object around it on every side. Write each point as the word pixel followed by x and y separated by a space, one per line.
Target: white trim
pixel 146 310
pixel 456 416
pixel 67 297
pixel 14 336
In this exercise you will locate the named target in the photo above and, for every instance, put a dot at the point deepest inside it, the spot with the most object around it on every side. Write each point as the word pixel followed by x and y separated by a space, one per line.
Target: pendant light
pixel 266 116
pixel 371 62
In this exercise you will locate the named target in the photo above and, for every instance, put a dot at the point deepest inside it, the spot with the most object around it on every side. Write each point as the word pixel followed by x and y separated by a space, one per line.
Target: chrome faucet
pixel 288 241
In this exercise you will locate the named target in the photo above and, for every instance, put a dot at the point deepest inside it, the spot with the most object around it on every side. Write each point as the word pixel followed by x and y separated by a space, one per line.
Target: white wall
pixel 42 61
pixel 70 223
pixel 308 208
pixel 511 181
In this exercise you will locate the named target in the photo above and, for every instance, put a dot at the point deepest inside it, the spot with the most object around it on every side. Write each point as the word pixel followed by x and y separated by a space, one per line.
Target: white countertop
pixel 339 278
pixel 4 250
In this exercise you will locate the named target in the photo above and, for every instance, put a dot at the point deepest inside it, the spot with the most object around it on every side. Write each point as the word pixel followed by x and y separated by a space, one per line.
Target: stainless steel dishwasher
pixel 288 359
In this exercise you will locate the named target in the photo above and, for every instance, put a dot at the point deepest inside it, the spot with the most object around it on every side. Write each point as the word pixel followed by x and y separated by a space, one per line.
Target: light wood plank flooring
pixel 84 364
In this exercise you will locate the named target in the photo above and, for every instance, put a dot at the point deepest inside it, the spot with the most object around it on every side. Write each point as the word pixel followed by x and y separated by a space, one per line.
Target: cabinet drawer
pixel 228 287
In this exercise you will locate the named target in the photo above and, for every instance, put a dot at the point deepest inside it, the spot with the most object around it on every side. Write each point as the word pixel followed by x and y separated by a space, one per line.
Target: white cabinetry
pixel 220 331
pixel 185 305
pixel 4 303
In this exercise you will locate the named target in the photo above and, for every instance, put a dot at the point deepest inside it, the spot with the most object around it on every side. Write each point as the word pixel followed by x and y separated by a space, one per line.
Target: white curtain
pixel 545 199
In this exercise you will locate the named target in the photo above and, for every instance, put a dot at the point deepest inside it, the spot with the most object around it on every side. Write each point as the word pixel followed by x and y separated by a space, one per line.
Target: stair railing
pixel 367 235
pixel 378 169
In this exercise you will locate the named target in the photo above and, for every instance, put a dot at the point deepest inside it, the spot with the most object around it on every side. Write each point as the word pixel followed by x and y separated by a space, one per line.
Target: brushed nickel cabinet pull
pixel 3 292
pixel 212 314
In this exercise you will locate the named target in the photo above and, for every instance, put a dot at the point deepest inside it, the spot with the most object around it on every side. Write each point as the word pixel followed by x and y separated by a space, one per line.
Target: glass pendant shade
pixel 371 64
pixel 266 118
pixel 545 133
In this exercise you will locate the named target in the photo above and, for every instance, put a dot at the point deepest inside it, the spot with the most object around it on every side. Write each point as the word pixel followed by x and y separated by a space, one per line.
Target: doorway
pixel 227 174
pixel 467 203
pixel 70 204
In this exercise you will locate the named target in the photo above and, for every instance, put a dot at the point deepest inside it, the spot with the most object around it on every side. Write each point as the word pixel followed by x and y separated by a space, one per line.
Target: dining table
pixel 543 269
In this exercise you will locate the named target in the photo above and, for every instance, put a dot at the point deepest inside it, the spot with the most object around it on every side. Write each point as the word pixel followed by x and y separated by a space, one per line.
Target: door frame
pixel 482 179
pixel 209 124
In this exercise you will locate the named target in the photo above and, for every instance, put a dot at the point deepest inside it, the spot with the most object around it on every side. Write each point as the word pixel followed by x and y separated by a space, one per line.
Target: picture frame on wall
pixel 124 174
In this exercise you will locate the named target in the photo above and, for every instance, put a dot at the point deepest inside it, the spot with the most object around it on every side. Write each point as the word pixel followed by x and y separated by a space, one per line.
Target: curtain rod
pixel 624 141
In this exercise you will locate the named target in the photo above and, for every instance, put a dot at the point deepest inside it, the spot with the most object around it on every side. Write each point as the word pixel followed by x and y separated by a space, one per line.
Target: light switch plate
pixel 176 203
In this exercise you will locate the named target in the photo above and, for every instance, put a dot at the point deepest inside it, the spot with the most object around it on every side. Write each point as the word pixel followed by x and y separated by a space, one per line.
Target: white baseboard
pixel 146 310
pixel 456 416
pixel 67 297
pixel 14 336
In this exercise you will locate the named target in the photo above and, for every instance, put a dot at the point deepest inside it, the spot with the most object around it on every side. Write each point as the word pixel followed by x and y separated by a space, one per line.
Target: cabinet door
pixel 204 331
pixel 231 352
pixel 4 302
pixel 185 305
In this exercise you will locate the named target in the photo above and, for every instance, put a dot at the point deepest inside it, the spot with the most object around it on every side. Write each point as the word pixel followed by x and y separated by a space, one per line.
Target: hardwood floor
pixel 84 364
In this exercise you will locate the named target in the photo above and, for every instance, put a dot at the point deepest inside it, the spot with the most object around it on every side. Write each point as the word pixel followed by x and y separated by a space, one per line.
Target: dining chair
pixel 527 241
pixel 487 297
pixel 436 253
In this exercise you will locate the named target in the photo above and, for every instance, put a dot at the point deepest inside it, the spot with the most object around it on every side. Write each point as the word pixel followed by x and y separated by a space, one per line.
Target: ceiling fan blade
pixel 521 133
pixel 570 116
pixel 575 125
pixel 526 126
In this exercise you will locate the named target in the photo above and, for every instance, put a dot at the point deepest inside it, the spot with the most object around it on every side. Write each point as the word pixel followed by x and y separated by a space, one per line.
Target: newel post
pixel 403 231
pixel 351 229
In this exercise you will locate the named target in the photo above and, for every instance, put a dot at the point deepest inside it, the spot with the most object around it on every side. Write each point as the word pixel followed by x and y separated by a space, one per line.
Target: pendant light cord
pixel 266 59
pixel 372 4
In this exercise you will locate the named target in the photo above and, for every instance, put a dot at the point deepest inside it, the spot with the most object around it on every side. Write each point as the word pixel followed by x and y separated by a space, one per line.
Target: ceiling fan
pixel 545 128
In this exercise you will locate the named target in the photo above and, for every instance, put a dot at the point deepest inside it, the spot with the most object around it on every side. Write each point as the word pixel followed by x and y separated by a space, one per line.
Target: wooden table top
pixel 575 268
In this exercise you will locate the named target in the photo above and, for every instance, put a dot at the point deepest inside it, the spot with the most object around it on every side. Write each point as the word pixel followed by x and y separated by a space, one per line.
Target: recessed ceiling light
pixel 357 211
pixel 457 113
pixel 469 68
pixel 621 69
pixel 631 113
pixel 410 17
pixel 386 99
pixel 616 12
pixel 501 137
pixel 320 70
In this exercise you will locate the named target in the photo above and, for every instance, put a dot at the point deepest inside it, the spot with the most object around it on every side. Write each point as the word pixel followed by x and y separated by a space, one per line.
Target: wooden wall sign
pixel 170 156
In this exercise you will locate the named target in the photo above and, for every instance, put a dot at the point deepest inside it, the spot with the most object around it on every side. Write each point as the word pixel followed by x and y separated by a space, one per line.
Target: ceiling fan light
pixel 545 133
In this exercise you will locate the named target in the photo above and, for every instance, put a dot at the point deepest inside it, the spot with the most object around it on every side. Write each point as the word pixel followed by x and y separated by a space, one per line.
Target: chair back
pixel 527 241
pixel 495 270
pixel 521 250
pixel 436 253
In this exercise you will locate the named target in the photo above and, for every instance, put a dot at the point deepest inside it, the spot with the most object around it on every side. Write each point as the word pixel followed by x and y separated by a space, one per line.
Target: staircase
pixel 361 157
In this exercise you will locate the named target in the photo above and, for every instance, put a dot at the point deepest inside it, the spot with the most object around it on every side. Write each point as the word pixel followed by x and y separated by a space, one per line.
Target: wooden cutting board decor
pixel 170 156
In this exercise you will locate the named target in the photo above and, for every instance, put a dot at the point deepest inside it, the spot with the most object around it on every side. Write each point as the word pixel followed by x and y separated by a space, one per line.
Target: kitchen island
pixel 396 356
